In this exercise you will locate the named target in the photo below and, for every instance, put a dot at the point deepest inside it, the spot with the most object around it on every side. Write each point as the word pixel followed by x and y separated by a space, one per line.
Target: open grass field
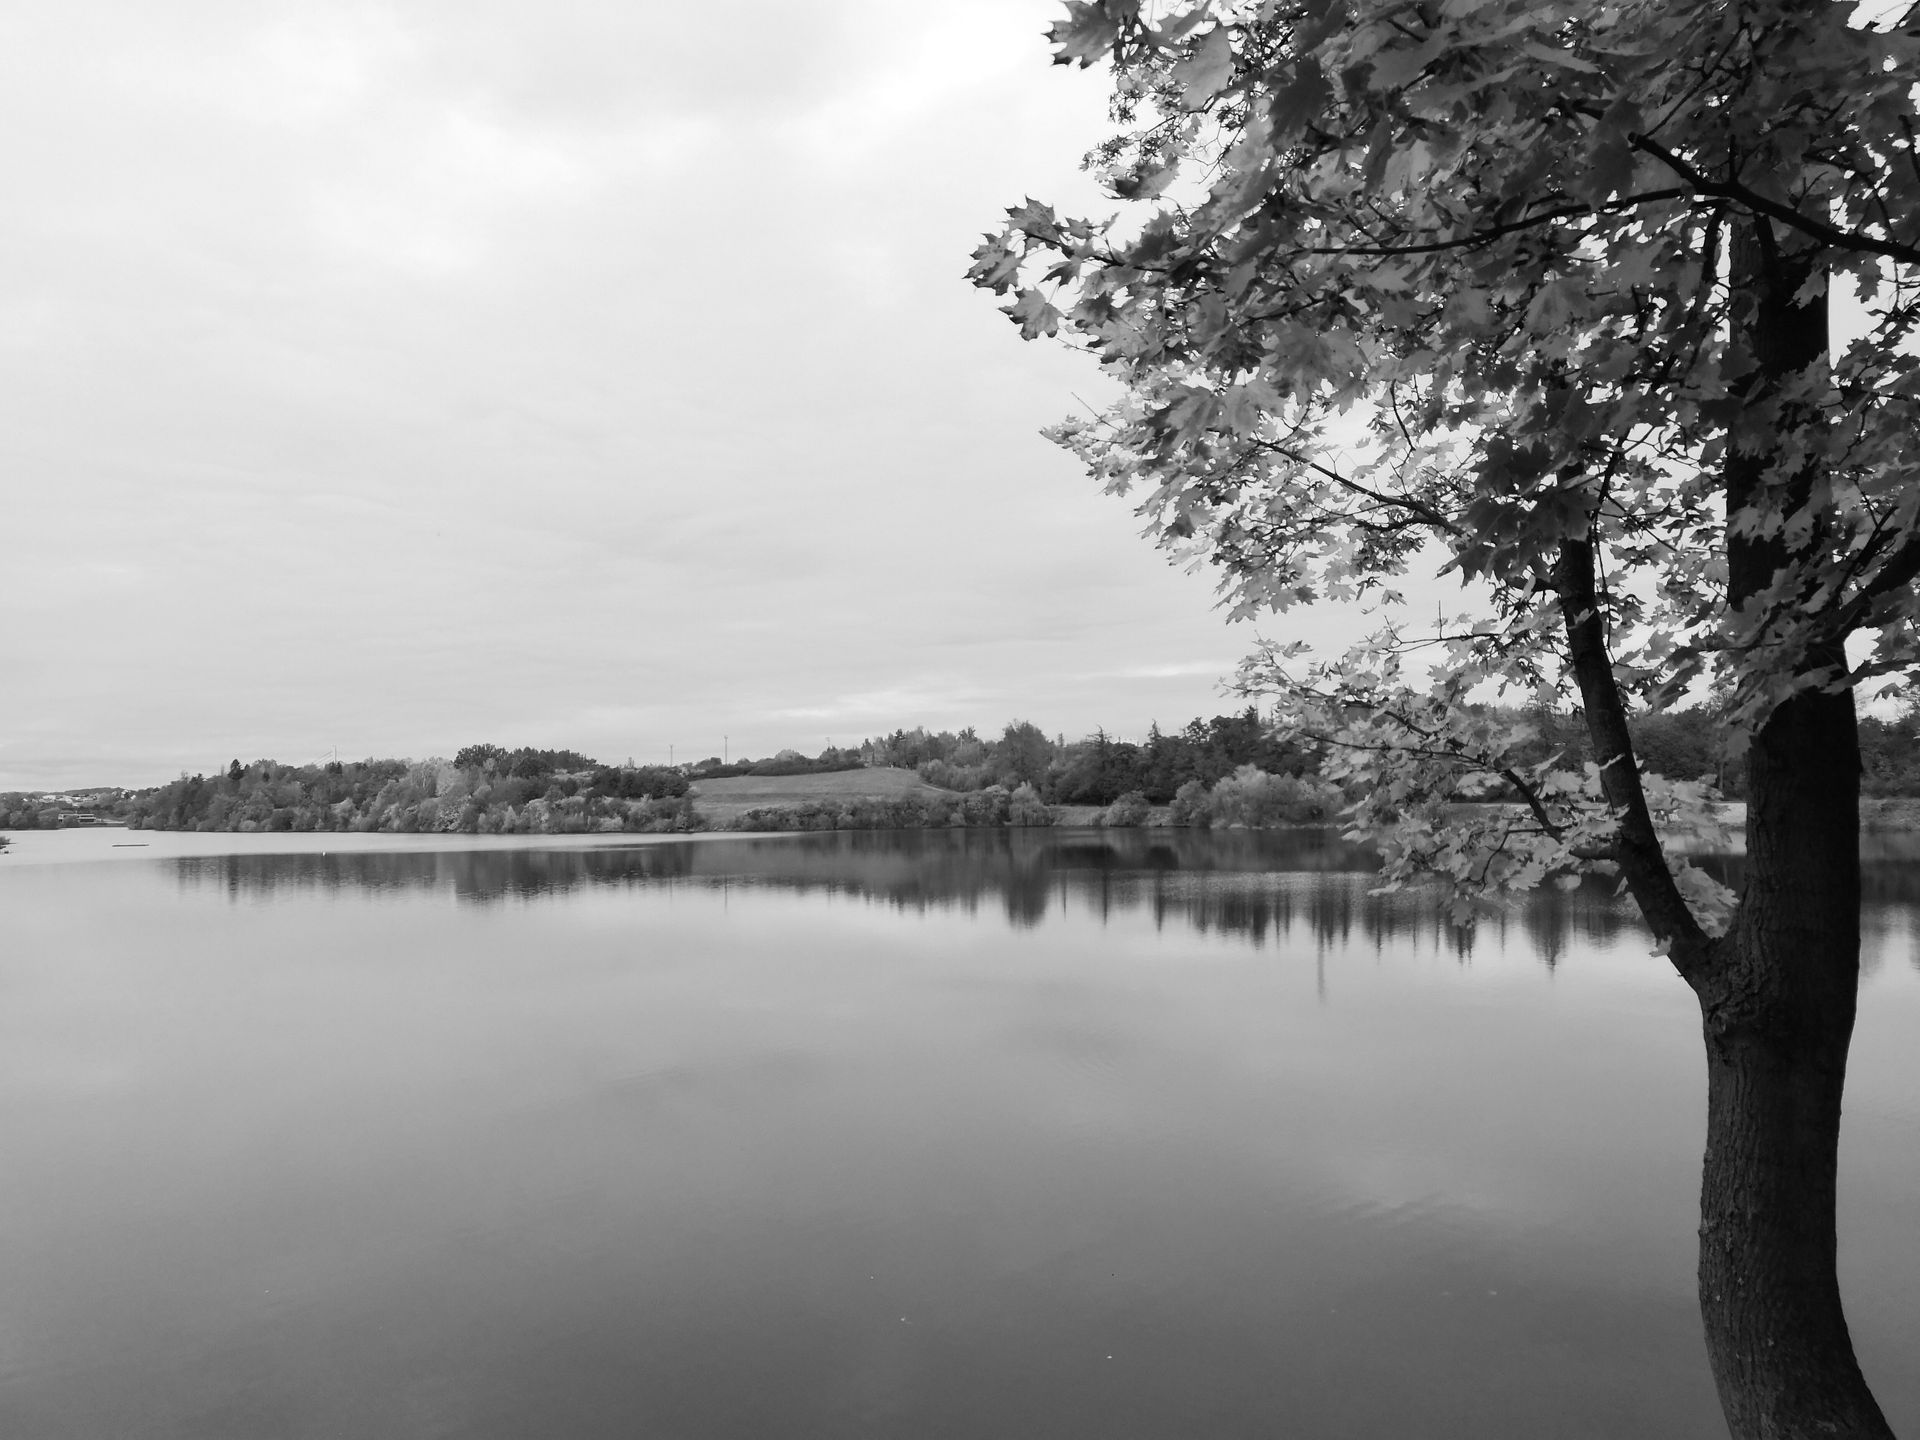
pixel 729 798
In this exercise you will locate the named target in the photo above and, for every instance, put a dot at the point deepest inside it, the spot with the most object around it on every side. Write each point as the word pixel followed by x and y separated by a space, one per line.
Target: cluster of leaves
pixel 1255 799
pixel 1410 756
pixel 1477 281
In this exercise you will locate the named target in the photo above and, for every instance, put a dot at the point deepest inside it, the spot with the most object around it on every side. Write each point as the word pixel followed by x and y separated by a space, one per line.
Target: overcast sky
pixel 387 377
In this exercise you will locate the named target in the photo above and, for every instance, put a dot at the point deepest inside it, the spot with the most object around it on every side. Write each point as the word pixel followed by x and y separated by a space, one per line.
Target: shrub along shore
pixel 436 797
pixel 952 778
pixel 1232 770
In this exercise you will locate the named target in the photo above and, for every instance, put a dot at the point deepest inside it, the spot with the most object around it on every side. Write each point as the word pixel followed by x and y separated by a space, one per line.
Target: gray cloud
pixel 563 374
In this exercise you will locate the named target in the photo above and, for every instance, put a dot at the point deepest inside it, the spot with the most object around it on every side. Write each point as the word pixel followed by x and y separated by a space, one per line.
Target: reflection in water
pixel 1256 885
pixel 523 1141
pixel 1888 874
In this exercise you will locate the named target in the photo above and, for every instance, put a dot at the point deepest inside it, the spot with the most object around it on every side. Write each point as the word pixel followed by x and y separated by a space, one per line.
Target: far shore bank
pixel 1891 813
pixel 796 806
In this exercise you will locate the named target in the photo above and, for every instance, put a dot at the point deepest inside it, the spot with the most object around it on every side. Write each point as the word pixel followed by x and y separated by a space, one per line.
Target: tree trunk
pixel 1777 1001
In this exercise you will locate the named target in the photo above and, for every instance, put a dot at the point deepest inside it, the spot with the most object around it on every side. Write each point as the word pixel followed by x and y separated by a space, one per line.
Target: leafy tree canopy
pixel 1498 280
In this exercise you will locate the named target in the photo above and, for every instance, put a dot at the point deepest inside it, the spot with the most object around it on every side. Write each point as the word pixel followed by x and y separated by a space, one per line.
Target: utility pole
pixel 726 743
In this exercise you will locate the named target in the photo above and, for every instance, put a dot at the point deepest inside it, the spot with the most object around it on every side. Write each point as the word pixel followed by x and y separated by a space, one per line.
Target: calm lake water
pixel 1143 1134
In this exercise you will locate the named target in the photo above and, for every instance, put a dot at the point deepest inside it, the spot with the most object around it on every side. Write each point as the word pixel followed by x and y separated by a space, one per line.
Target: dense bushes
pixel 526 762
pixel 1190 806
pixel 1890 755
pixel 1250 797
pixel 787 762
pixel 949 776
pixel 28 812
pixel 1097 770
pixel 645 782
pixel 1129 809
pixel 993 806
pixel 1025 807
pixel 499 792
pixel 1258 800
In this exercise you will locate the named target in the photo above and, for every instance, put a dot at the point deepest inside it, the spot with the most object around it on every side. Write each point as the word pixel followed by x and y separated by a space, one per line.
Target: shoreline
pixel 1879 815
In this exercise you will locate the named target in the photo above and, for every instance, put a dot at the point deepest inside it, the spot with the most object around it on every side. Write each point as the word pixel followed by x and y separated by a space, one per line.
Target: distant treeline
pixel 1099 769
pixel 1228 770
pixel 991 805
pixel 787 762
pixel 484 789
pixel 1682 745
pixel 1250 797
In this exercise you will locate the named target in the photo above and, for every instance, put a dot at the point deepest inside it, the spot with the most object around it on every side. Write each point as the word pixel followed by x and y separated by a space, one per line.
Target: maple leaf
pixel 1033 219
pixel 1301 99
pixel 1206 70
pixel 995 264
pixel 1089 32
pixel 1033 313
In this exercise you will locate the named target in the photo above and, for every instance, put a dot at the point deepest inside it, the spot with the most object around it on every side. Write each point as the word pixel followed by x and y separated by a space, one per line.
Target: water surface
pixel 931 1134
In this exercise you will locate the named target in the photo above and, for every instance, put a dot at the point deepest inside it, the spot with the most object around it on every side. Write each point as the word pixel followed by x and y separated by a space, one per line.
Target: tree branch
pixel 1417 508
pixel 1571 209
pixel 1642 862
pixel 1902 569
pixel 1821 230
pixel 1548 826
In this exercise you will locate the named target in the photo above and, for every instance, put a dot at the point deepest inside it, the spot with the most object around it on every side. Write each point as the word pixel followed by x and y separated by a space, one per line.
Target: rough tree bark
pixel 1777 1000
pixel 1778 992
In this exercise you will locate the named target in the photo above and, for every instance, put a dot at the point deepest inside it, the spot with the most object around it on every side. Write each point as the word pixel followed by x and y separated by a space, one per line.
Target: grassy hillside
pixel 729 798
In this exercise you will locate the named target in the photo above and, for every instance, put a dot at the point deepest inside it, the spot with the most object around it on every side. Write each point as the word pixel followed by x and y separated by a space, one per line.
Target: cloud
pixel 573 374
pixel 1170 671
pixel 879 709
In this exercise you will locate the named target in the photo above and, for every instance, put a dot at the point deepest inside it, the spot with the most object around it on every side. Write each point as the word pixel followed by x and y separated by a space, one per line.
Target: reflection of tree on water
pixel 1256 885
pixel 471 875
pixel 1306 883
pixel 1888 872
